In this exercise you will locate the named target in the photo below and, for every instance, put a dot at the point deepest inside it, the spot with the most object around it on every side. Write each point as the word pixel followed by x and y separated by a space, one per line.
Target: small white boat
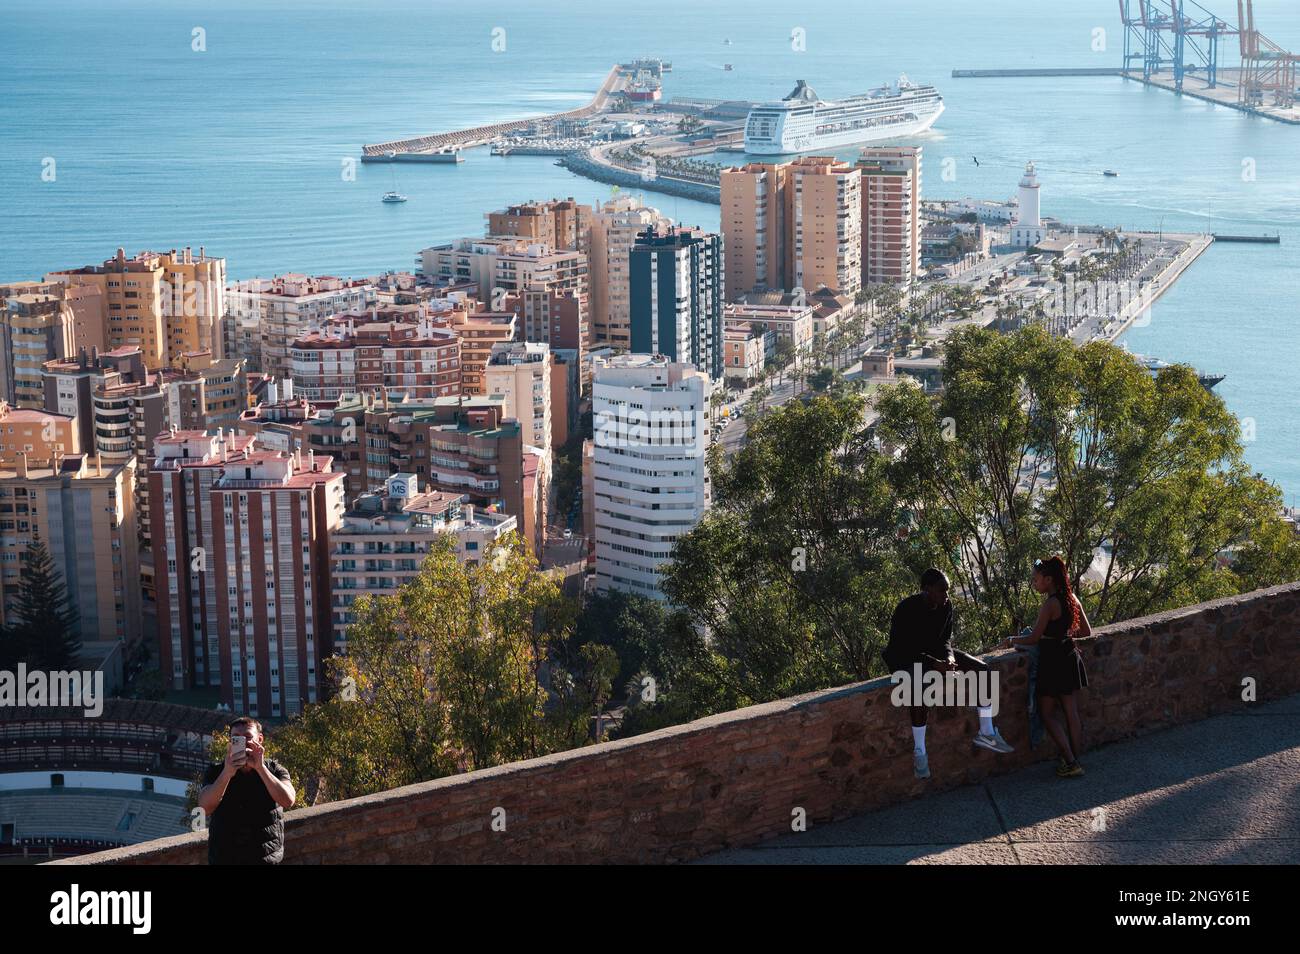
pixel 394 197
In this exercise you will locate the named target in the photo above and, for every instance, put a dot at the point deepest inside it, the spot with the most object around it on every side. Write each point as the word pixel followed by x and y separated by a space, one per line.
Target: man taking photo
pixel 244 798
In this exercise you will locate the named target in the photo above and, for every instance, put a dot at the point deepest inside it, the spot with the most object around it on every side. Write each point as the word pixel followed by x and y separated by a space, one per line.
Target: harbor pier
pixel 441 143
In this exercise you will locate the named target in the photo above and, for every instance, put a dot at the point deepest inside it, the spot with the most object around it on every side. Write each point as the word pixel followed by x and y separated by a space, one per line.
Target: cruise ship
pixel 802 122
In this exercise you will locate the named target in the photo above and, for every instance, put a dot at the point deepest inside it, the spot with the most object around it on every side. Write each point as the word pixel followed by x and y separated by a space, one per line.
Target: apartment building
pixel 420 359
pixel 83 510
pixel 203 393
pixel 615 227
pixel 676 285
pixel 266 315
pixel 649 483
pixel 38 434
pixel 891 214
pixel 795 225
pixel 36 326
pixel 242 555
pixel 469 446
pixel 386 535
pixel 560 223
pixel 754 226
pixel 280 421
pixel 558 319
pixel 520 372
pixel 825 221
pixel 478 332
pixel 792 324
pixel 165 303
pixel 500 265
pixel 744 355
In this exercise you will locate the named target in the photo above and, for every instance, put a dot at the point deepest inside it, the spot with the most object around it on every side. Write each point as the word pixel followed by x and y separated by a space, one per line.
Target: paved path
pixel 1222 791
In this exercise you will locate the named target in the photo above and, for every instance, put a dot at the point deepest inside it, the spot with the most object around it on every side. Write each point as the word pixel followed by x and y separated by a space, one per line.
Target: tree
pixel 1036 446
pixel 823 379
pixel 447 675
pixel 634 626
pixel 795 569
pixel 46 621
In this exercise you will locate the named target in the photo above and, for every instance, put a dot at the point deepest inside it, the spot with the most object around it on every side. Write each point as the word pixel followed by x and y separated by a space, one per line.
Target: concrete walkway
pixel 1222 791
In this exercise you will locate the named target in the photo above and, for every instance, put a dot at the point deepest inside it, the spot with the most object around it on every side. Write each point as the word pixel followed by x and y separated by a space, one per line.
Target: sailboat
pixel 394 195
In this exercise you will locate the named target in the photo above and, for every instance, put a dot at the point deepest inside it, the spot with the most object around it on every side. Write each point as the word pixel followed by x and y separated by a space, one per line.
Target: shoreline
pixel 1197 246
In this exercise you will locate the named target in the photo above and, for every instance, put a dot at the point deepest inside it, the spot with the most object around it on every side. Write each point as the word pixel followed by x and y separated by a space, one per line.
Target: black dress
pixel 1060 664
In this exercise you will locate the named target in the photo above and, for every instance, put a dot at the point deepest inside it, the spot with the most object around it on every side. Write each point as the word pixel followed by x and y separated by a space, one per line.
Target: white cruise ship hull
pixel 796 144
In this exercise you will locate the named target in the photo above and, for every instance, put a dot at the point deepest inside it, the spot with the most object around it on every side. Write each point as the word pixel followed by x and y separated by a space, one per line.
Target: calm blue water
pixel 240 148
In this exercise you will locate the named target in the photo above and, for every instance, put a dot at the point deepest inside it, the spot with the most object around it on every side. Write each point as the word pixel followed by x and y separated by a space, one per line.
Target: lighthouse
pixel 1028 229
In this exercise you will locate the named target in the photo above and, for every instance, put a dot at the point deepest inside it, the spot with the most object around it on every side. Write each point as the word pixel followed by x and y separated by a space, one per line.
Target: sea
pixel 159 124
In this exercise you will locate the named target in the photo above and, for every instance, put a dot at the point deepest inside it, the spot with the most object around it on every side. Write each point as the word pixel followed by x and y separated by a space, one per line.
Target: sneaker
pixel 994 742
pixel 1070 770
pixel 922 764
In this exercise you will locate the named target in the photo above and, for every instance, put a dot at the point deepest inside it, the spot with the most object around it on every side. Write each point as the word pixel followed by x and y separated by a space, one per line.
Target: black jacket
pixel 920 633
pixel 248 826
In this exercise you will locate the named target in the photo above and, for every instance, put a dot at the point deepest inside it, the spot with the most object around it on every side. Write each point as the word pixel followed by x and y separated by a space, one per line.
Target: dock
pixel 1257 239
pixel 1048 71
pixel 1224 93
pixel 393 150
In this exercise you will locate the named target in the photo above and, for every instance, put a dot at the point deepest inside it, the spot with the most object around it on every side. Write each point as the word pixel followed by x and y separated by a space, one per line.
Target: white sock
pixel 918 738
pixel 986 720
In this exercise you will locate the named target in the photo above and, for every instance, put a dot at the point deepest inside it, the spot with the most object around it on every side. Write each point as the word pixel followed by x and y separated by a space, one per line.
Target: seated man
pixel 921 632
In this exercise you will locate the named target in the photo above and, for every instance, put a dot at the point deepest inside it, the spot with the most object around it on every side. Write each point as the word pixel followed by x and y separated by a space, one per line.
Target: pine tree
pixel 45 620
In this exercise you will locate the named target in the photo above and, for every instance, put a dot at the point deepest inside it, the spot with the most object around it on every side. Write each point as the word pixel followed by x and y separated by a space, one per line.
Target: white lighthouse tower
pixel 1028 229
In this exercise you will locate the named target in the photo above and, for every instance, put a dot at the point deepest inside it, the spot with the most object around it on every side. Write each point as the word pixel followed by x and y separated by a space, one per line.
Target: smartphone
pixel 238 753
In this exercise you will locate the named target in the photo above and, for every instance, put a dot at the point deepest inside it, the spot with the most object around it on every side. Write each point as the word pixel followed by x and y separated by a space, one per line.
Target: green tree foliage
pixel 45 630
pixel 795 569
pixel 1036 446
pixel 448 674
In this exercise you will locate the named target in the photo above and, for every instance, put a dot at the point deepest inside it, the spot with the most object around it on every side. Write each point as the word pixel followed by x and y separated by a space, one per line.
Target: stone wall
pixel 737 778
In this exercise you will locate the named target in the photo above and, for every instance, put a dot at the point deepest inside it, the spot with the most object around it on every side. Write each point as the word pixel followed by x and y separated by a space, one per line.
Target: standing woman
pixel 1060 664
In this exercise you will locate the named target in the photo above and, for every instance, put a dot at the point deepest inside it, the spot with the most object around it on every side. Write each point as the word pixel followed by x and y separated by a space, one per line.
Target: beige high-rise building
pixel 825 224
pixel 520 371
pixel 560 223
pixel 83 510
pixel 753 224
pixel 499 266
pixel 793 225
pixel 166 303
pixel 36 326
pixel 891 214
pixel 614 230
pixel 478 333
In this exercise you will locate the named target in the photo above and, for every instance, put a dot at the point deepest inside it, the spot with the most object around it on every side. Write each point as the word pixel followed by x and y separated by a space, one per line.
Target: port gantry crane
pixel 1183 41
pixel 1196 41
pixel 1144 37
pixel 1265 66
